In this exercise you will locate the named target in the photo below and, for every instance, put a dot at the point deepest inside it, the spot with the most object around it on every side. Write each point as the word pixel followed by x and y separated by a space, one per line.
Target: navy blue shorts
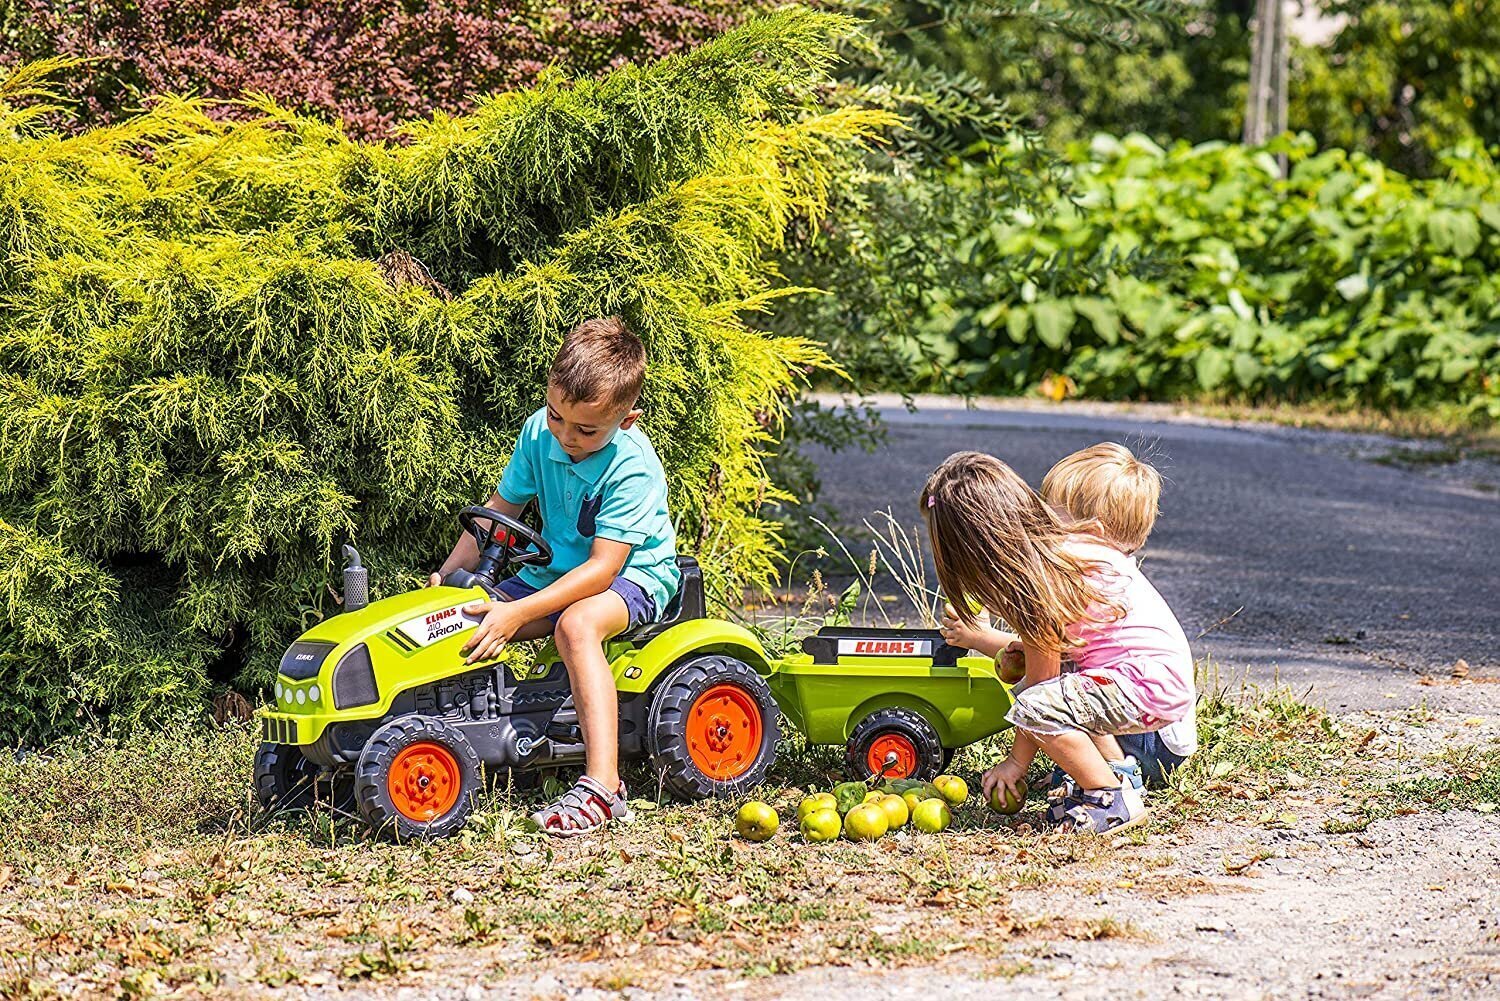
pixel 637 602
pixel 1157 761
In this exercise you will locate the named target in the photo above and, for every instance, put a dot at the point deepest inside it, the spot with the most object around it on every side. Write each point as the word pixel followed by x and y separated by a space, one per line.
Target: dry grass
pixel 141 867
pixel 1454 423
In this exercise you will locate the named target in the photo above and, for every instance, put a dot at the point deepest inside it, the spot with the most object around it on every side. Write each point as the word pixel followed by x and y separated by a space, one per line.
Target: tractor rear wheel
pixel 899 741
pixel 417 777
pixel 712 728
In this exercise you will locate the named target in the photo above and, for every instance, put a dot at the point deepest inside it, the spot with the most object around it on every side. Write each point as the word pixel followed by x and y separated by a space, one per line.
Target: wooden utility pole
pixel 1265 105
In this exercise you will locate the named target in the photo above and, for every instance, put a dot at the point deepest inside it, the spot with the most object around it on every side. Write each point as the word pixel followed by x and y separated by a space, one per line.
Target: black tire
pixel 926 746
pixel 373 782
pixel 284 778
pixel 669 721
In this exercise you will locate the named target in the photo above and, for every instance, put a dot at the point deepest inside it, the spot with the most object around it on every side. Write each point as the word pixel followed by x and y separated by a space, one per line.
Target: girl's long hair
pixel 999 546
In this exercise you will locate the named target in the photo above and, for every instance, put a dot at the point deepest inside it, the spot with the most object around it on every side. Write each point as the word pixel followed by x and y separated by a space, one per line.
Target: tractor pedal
pixel 564 733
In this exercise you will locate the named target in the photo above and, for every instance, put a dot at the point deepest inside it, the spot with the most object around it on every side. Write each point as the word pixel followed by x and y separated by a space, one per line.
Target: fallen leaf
pixel 1460 669
pixel 1235 868
pixel 1437 886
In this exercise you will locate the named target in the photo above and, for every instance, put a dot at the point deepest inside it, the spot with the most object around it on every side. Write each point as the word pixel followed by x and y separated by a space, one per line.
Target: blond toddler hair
pixel 1106 488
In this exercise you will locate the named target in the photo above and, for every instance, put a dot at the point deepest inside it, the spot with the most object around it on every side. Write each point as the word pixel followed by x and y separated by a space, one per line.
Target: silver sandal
pixel 583 809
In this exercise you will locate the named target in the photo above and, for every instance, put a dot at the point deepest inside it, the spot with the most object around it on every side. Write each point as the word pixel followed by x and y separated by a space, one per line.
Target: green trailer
pixel 901 701
pixel 376 708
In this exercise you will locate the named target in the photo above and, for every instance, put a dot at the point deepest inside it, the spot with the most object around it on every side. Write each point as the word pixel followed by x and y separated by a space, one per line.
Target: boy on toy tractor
pixel 602 494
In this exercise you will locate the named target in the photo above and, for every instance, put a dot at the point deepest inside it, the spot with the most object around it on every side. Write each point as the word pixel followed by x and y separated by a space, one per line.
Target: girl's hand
pixel 1006 775
pixel 500 623
pixel 435 579
pixel 955 633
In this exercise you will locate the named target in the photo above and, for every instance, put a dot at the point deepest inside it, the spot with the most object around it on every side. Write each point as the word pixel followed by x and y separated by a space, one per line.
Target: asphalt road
pixel 1291 555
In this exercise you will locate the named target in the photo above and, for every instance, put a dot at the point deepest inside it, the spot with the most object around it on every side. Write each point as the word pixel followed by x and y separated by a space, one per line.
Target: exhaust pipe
pixel 356 581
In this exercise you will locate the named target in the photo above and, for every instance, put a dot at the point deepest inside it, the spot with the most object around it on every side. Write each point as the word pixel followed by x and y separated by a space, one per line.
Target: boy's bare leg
pixel 580 637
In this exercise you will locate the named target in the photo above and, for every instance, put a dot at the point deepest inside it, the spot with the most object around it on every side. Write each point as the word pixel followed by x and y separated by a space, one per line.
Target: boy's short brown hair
pixel 600 361
pixel 1107 485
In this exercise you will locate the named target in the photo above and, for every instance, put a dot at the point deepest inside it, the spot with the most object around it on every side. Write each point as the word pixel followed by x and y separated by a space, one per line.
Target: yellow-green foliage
pixel 208 385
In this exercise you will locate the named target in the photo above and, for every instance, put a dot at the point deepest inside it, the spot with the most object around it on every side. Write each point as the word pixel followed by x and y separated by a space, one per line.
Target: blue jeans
pixel 1157 761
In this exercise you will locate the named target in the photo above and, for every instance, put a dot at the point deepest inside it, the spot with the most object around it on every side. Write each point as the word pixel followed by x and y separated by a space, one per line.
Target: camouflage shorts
pixel 1073 702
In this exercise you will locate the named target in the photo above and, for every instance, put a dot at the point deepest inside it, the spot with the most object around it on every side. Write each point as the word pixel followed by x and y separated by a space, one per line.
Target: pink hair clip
pixel 931 501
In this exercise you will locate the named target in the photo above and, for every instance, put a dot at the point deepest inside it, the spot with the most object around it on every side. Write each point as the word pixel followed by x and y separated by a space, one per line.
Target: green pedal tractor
pixel 377 707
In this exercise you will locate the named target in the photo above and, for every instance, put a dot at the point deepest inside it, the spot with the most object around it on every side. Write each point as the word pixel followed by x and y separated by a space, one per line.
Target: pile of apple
pixel 862 813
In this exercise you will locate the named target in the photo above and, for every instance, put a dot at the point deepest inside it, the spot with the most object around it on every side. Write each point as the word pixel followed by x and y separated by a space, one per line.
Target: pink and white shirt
pixel 1144 651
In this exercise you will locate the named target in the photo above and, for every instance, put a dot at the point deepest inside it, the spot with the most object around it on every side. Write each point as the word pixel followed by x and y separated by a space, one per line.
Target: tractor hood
pixel 420 617
pixel 351 666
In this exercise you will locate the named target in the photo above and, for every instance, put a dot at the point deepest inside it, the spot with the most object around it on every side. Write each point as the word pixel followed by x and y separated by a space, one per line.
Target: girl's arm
pixel 1041 664
pixel 982 638
pixel 1024 750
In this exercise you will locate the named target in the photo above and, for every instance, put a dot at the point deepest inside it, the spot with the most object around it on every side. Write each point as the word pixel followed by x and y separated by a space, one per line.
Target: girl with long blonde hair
pixel 1065 592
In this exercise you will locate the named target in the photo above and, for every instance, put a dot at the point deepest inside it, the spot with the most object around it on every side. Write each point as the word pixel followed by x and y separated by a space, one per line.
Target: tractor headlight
pixel 279 691
pixel 301 696
pixel 313 694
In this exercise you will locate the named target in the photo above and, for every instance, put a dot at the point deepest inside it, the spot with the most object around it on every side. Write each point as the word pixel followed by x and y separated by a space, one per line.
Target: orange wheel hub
pixel 724 731
pixel 424 781
pixel 886 745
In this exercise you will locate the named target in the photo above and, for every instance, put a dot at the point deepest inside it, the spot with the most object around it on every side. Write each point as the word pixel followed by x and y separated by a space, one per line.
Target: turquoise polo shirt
pixel 617 493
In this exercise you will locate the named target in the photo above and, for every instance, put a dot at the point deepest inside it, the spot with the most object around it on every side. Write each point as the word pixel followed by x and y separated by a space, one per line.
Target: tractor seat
pixel 686 604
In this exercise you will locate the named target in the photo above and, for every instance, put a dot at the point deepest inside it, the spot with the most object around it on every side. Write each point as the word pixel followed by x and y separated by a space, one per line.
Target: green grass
pixel 1463 777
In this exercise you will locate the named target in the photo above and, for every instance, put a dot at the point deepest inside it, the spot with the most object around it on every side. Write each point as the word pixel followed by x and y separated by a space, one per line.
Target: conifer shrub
pixel 208 384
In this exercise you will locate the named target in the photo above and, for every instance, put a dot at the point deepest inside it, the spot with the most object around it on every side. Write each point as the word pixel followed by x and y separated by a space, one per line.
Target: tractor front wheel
pixel 417 777
pixel 284 778
pixel 898 743
pixel 712 728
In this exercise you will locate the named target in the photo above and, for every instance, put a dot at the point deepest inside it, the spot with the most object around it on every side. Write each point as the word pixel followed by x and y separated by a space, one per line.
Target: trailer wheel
pixel 284 778
pixel 417 777
pixel 899 736
pixel 712 728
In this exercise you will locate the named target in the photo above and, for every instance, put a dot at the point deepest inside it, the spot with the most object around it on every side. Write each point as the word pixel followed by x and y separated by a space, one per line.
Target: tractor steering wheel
pixel 502 541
